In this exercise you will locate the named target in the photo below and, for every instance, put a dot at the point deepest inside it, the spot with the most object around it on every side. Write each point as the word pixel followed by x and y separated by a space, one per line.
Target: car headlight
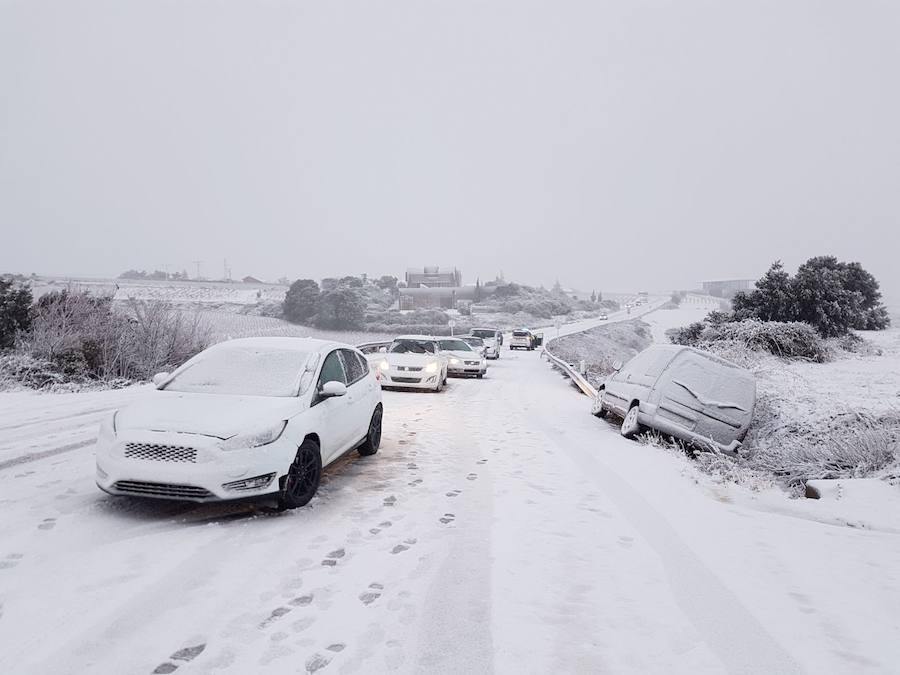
pixel 107 433
pixel 454 361
pixel 255 438
pixel 384 365
pixel 431 367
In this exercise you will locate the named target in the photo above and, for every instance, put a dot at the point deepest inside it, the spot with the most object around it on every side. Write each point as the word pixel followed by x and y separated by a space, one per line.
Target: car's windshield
pixel 474 341
pixel 412 347
pixel 455 346
pixel 243 371
pixel 484 333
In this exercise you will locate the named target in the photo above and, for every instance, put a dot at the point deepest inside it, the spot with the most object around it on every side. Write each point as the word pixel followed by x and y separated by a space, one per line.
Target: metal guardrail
pixel 574 374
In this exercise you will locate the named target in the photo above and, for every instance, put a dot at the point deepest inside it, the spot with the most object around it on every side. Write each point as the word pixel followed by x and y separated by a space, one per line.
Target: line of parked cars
pixel 259 418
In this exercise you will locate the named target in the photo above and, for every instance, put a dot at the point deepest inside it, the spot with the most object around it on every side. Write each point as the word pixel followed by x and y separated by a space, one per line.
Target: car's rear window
pixel 242 371
pixel 520 333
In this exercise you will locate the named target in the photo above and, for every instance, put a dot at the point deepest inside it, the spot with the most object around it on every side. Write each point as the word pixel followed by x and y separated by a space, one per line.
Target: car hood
pixel 214 415
pixel 464 356
pixel 410 359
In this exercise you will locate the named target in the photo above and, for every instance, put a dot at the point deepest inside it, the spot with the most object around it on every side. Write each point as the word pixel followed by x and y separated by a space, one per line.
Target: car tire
pixel 303 476
pixel 630 425
pixel 480 375
pixel 373 437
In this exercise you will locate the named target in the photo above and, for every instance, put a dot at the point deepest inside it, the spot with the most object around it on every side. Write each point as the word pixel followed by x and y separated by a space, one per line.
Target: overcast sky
pixel 615 145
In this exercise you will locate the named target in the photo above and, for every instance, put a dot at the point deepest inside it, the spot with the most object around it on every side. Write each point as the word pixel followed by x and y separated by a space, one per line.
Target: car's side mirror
pixel 382 350
pixel 332 388
pixel 159 378
pixel 617 365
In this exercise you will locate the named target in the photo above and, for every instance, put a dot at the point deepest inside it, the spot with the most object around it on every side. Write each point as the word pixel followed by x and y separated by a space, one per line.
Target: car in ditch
pixel 493 340
pixel 463 359
pixel 691 395
pixel 412 362
pixel 250 418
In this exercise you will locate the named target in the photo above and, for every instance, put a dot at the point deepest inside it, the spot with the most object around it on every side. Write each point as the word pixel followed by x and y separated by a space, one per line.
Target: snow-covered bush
pixel 789 340
pixel 82 337
pixel 19 369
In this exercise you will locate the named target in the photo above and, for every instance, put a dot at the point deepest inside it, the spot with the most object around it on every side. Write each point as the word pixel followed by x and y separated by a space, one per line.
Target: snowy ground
pixel 501 528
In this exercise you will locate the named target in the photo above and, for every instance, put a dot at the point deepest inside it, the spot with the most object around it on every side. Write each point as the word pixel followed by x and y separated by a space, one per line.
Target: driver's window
pixel 332 370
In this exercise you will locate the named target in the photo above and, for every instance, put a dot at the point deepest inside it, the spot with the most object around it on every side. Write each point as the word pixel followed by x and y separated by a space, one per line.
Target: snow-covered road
pixel 501 528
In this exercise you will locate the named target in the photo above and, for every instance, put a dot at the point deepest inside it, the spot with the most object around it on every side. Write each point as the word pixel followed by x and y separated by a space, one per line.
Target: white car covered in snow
pixel 256 417
pixel 493 339
pixel 464 360
pixel 412 362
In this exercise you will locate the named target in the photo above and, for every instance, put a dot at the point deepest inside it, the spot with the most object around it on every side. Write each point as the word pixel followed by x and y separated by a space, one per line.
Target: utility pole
pixel 197 263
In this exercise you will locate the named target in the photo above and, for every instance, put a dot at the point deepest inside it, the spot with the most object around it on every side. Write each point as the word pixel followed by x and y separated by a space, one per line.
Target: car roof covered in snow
pixel 429 338
pixel 677 349
pixel 309 345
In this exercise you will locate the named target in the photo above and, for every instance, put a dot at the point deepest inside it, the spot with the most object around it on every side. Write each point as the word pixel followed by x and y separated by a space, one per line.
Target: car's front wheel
pixel 373 438
pixel 302 479
pixel 630 425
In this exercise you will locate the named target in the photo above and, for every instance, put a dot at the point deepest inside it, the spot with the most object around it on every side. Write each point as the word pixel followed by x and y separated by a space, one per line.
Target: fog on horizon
pixel 611 145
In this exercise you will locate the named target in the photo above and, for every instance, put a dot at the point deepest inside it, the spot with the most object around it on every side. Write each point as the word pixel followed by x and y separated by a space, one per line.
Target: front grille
pixel 160 453
pixel 139 488
pixel 406 380
pixel 472 363
pixel 411 369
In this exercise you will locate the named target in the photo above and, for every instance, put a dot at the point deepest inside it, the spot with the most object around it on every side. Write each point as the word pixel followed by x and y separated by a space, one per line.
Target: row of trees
pixel 832 296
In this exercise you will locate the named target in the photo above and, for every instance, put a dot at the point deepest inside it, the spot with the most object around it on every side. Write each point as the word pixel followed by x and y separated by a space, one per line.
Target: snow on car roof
pixel 430 338
pixel 282 343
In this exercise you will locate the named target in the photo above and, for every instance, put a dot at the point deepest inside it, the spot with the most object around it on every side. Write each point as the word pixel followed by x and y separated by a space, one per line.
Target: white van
pixel 683 392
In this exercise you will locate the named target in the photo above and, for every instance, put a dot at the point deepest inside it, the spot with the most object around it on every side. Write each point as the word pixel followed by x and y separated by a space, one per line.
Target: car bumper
pixel 480 369
pixel 198 472
pixel 664 426
pixel 410 380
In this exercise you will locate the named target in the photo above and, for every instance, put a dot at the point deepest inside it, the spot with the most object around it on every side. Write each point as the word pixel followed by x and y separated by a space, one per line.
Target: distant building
pixel 433 277
pixel 726 288
pixel 252 280
pixel 434 288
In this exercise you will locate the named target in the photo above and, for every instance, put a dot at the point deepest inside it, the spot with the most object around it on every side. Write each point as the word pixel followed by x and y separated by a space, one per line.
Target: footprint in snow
pixel 48 524
pixel 412 465
pixel 332 559
pixel 399 548
pixel 183 655
pixel 447 518
pixel 316 662
pixel 336 647
pixel 11 561
pixel 371 595
pixel 454 493
pixel 276 614
pixel 390 501
pixel 301 601
pixel 417 481
pixel 472 476
pixel 481 461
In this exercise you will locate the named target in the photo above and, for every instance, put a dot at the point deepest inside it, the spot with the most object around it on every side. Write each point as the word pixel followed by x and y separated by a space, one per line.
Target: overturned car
pixel 683 392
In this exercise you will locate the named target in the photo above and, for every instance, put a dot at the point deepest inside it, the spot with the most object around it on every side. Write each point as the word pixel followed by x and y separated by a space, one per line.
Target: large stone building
pixel 434 288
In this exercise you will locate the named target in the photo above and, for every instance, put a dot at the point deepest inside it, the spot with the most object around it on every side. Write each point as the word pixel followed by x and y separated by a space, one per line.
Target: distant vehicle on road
pixel 413 362
pixel 603 317
pixel 463 359
pixel 256 417
pixel 493 339
pixel 525 339
pixel 686 393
